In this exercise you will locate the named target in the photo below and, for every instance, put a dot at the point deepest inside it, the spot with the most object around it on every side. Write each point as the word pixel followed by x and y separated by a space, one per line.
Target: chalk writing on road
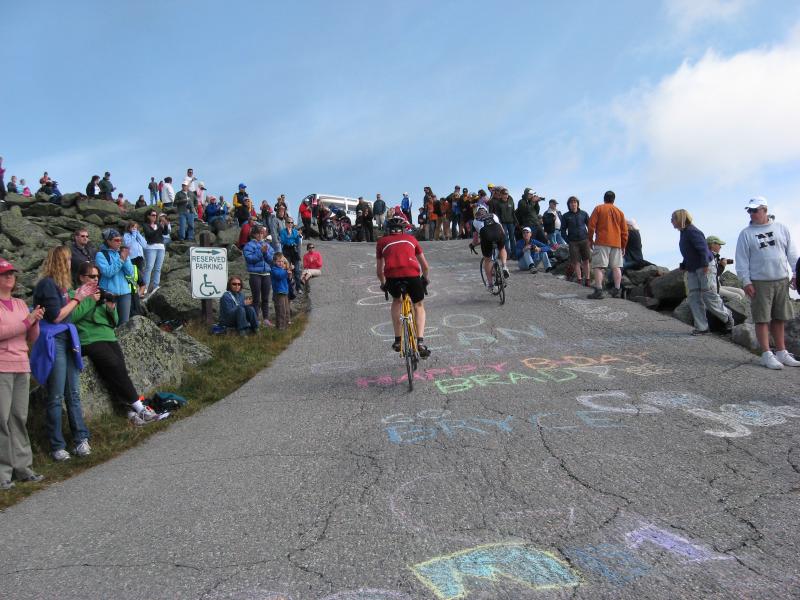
pixel 672 543
pixel 452 576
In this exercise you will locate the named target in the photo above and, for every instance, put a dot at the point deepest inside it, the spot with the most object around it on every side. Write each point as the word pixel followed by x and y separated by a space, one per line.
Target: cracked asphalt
pixel 606 450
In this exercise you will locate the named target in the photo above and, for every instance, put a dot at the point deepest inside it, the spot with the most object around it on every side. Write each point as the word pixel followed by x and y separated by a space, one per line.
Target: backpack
pixel 162 402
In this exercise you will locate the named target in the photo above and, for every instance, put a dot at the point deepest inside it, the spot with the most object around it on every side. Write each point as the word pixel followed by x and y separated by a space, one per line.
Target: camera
pixel 106 296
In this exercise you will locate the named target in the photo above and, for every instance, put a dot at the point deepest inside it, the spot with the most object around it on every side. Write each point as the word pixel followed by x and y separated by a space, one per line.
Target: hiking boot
pixel 83 448
pixel 615 292
pixel 533 270
pixel 769 360
pixel 491 289
pixel 598 294
pixel 729 324
pixel 701 331
pixel 6 485
pixel 60 455
pixel 423 351
pixel 785 358
pixel 396 346
pixel 31 477
pixel 549 269
pixel 506 274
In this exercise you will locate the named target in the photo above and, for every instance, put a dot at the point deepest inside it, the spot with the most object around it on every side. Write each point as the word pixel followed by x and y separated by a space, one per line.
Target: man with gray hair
pixel 764 255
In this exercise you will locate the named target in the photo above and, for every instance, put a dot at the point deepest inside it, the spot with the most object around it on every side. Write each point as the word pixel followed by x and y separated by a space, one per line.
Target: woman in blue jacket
pixel 115 266
pixel 701 278
pixel 258 257
pixel 237 311
pixel 291 241
pixel 134 241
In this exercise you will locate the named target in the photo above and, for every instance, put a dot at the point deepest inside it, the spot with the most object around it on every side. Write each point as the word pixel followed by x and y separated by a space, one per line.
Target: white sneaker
pixel 787 359
pixel 491 289
pixel 83 448
pixel 148 414
pixel 135 420
pixel 768 360
pixel 60 455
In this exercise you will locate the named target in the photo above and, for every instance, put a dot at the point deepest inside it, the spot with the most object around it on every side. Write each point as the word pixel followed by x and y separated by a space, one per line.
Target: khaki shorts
pixel 772 301
pixel 606 256
pixel 579 251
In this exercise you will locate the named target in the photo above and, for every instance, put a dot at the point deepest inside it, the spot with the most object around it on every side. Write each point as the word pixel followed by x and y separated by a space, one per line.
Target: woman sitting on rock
pixel 95 318
pixel 237 311
pixel 312 264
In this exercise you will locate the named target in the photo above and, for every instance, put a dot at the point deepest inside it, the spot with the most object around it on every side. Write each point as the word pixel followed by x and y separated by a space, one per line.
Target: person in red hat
pixel 18 328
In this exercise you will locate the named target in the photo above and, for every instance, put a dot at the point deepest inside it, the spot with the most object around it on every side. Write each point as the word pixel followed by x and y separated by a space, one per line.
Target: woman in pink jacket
pixel 18 328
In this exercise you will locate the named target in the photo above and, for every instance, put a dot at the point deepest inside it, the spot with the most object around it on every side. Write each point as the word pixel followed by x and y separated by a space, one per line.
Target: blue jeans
pixel 557 238
pixel 65 375
pixel 124 308
pixel 534 258
pixel 186 226
pixel 245 318
pixel 153 259
pixel 511 240
pixel 153 197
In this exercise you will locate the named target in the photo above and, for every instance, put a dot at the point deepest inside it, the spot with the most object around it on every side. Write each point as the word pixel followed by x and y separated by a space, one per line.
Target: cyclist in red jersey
pixel 400 260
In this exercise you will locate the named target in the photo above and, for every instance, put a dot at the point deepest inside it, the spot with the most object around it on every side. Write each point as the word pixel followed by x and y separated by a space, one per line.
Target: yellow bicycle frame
pixel 407 320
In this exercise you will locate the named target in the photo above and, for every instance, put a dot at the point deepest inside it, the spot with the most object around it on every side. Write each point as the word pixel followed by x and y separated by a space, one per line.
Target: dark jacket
pixel 106 188
pixel 80 256
pixel 528 212
pixel 504 209
pixel 90 190
pixel 184 202
pixel 154 236
pixel 633 251
pixel 50 297
pixel 574 225
pixel 379 207
pixel 694 249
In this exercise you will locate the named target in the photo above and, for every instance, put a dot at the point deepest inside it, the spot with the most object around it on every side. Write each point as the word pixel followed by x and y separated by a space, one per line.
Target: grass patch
pixel 236 360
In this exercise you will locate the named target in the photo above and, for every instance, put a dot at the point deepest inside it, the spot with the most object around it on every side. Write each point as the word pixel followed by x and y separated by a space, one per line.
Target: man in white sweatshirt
pixel 764 255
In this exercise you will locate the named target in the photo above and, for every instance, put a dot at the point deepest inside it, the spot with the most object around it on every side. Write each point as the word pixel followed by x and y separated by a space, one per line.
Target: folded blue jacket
pixel 43 353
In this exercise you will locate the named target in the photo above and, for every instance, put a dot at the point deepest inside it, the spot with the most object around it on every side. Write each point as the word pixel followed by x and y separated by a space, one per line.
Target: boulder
pixel 100 208
pixel 792 333
pixel 670 287
pixel 740 307
pixel 153 358
pixel 561 253
pixel 173 300
pixel 234 252
pixel 180 273
pixel 69 200
pixel 180 247
pixel 745 335
pixel 31 260
pixel 5 243
pixel 731 280
pixel 228 237
pixel 95 220
pixel 645 274
pixel 193 352
pixel 19 200
pixel 683 313
pixel 645 301
pixel 20 230
pixel 43 209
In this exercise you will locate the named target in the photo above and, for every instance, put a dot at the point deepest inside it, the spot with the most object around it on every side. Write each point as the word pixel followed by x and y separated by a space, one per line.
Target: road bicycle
pixel 498 281
pixel 408 338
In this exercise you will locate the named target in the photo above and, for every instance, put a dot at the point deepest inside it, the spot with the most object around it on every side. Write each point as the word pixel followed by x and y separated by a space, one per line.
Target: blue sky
pixel 671 103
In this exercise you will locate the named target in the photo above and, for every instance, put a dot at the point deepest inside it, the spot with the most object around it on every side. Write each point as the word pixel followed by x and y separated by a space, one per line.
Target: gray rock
pixel 228 237
pixel 561 253
pixel 645 301
pixel 792 334
pixel 20 230
pixel 745 335
pixel 180 247
pixel 181 273
pixel 5 243
pixel 31 260
pixel 740 307
pixel 670 287
pixel 43 209
pixel 19 200
pixel 69 200
pixel 101 208
pixel 645 274
pixel 174 300
pixel 193 352
pixel 234 253
pixel 95 220
pixel 636 290
pixel 730 279
pixel 683 313
pixel 153 358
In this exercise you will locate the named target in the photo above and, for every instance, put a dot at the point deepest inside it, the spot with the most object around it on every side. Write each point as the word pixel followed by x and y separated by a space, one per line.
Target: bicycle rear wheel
pixel 483 275
pixel 500 282
pixel 408 355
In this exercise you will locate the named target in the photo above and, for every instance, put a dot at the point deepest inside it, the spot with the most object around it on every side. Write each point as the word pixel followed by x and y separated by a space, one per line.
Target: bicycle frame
pixel 407 320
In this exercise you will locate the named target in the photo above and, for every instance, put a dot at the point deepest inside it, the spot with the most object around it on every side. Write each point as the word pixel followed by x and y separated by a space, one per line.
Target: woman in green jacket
pixel 95 319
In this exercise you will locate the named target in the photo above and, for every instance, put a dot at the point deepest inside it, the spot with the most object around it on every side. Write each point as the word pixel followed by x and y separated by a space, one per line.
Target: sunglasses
pixel 92 276
pixel 83 236
pixel 753 210
pixel 233 284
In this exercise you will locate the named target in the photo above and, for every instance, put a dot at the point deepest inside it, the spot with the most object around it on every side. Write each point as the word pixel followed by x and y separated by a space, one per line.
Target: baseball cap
pixel 756 202
pixel 526 229
pixel 712 239
pixel 553 201
pixel 201 185
pixel 6 266
pixel 242 186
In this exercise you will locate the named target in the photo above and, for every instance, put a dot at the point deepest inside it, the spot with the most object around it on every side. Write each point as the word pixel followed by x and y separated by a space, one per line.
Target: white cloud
pixel 721 118
pixel 688 14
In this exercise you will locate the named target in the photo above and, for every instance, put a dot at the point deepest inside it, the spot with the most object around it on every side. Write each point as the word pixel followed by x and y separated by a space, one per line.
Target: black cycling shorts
pixel 414 287
pixel 490 235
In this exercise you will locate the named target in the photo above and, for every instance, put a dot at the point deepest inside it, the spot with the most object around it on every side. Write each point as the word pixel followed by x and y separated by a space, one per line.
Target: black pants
pixel 139 262
pixel 260 287
pixel 109 362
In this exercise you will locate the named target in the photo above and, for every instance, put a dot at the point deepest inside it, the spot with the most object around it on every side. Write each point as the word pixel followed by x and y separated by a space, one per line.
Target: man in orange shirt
pixel 608 235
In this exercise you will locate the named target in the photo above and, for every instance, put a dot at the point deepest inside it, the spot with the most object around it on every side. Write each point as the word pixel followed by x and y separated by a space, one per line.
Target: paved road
pixel 553 447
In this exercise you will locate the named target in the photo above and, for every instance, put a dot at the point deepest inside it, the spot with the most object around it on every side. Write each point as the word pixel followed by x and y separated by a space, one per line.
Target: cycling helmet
pixel 397 224
pixel 481 213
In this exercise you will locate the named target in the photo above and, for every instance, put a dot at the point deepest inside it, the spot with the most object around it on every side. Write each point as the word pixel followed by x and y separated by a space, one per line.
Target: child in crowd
pixel 280 289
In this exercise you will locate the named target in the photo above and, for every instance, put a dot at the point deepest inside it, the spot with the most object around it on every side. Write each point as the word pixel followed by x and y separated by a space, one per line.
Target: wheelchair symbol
pixel 207 288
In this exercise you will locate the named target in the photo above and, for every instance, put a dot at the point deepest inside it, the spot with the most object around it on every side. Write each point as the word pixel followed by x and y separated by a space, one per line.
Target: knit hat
pixel 110 234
